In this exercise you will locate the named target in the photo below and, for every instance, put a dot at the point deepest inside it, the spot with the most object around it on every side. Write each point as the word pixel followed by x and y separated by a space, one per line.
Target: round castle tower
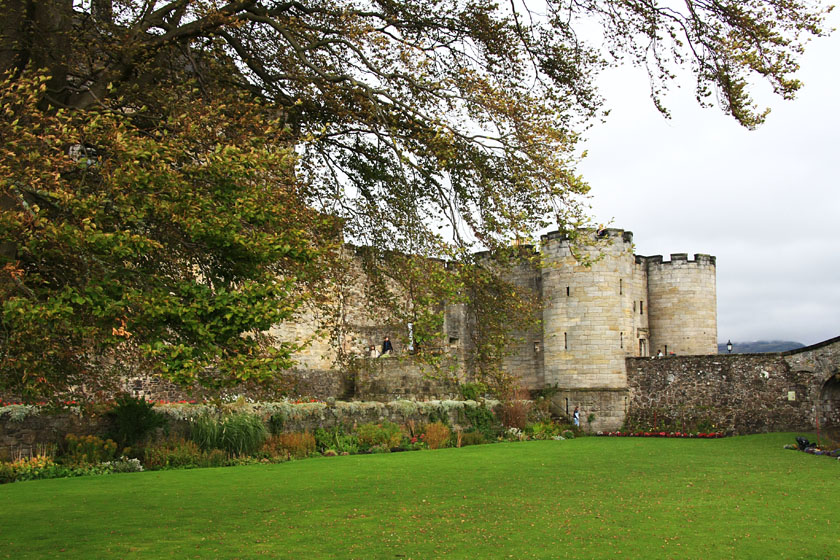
pixel 589 323
pixel 683 304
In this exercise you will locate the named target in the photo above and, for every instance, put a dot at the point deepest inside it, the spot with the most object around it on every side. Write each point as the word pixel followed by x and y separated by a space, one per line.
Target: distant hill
pixel 761 346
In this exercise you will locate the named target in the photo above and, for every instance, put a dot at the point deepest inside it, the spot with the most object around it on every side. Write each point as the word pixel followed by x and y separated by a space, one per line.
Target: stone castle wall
pixel 526 357
pixel 600 304
pixel 737 393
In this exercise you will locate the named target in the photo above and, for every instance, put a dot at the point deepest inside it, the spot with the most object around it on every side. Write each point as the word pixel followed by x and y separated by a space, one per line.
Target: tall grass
pixel 237 434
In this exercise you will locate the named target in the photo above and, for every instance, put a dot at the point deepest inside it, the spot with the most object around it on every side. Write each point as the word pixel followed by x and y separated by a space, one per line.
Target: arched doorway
pixel 829 404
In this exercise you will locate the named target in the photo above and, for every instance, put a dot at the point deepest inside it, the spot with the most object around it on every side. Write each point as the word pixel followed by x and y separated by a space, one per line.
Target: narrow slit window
pixel 634 306
pixel 621 339
pixel 536 348
pixel 567 291
pixel 641 307
pixel 620 287
pixel 566 341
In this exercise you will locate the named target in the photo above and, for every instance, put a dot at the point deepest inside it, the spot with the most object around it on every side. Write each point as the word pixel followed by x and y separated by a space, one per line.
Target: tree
pixel 162 246
pixel 428 128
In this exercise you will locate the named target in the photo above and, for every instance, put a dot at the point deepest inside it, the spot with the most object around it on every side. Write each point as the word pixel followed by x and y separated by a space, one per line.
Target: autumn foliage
pixel 173 248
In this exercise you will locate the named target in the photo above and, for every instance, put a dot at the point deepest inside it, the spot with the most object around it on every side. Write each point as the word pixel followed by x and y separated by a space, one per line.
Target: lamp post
pixel 729 346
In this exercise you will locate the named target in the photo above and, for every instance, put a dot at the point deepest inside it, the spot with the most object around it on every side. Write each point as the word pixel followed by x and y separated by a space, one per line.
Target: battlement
pixel 587 235
pixel 700 259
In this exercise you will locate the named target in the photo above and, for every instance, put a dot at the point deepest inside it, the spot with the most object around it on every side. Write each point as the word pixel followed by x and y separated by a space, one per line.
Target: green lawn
pixel 741 497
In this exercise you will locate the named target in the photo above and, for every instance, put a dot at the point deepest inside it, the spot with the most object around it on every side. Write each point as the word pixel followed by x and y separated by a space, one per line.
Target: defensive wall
pixel 738 393
pixel 598 304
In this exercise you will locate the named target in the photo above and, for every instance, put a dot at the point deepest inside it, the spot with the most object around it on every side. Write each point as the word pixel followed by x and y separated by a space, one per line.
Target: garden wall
pixel 736 393
pixel 370 379
pixel 24 433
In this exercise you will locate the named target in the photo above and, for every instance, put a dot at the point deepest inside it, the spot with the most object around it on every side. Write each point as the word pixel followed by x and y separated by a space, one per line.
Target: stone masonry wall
pixel 821 362
pixel 525 359
pixel 387 379
pixel 35 433
pixel 736 393
pixel 606 407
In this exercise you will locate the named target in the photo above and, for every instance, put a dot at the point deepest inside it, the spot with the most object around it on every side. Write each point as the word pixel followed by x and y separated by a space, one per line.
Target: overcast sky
pixel 764 202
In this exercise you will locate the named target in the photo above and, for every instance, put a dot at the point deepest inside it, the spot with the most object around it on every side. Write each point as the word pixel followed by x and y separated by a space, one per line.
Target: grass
pixel 742 497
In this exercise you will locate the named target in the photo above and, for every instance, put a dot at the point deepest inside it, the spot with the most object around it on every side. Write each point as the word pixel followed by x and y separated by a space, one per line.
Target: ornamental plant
pixel 237 434
pixel 133 419
pixel 385 435
pixel 298 445
pixel 88 449
pixel 437 435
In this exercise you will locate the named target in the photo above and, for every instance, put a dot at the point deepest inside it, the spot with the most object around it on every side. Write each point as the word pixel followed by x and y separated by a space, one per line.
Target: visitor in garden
pixel 576 417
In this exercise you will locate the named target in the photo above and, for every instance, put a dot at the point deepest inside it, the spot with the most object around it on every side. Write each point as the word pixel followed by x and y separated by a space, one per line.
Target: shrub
pixel 180 453
pixel 386 434
pixel 481 419
pixel 336 439
pixel 515 409
pixel 86 450
pixel 296 444
pixel 133 419
pixel 237 434
pixel 276 422
pixel 472 438
pixel 7 473
pixel 124 465
pixel 36 468
pixel 437 435
pixel 515 413
pixel 544 430
pixel 568 434
pixel 472 391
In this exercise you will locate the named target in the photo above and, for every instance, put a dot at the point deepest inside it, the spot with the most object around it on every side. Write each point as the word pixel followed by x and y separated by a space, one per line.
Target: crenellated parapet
pixel 678 259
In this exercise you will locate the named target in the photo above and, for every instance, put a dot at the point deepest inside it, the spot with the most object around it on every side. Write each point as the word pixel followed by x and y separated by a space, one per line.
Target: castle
pixel 593 316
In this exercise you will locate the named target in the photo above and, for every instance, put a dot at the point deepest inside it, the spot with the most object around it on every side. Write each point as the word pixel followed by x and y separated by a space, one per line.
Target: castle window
pixel 536 348
pixel 453 342
pixel 566 341
pixel 634 306
pixel 620 286
pixel 621 339
pixel 567 291
pixel 641 307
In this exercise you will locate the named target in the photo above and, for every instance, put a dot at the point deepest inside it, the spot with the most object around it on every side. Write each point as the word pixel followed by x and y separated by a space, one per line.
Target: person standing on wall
pixel 576 417
pixel 387 348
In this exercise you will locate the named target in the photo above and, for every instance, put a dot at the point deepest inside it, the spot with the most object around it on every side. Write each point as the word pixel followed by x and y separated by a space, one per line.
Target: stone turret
pixel 683 304
pixel 588 321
